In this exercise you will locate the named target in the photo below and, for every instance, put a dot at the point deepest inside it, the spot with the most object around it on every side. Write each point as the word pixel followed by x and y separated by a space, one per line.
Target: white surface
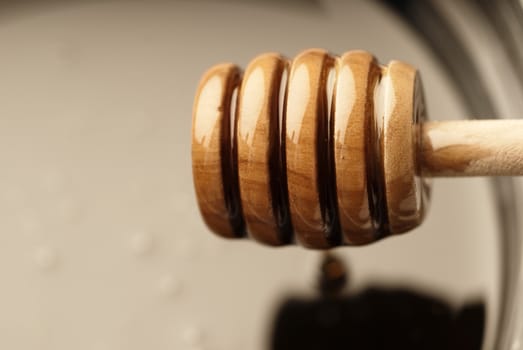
pixel 102 246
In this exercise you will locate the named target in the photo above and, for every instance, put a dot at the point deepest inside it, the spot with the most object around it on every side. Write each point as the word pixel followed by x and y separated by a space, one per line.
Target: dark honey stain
pixel 376 318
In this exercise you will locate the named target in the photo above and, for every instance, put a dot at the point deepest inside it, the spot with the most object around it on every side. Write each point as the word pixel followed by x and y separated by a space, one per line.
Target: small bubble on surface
pixel 142 243
pixel 169 285
pixel 192 336
pixel 45 257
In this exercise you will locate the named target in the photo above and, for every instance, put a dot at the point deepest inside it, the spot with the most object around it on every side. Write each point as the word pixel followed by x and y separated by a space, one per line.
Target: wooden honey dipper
pixel 326 150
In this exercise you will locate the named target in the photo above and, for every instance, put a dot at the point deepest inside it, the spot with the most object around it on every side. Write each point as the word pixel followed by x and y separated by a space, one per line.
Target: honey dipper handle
pixel 472 148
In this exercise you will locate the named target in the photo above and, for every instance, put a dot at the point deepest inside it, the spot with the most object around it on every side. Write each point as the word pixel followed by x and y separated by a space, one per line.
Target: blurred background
pixel 101 243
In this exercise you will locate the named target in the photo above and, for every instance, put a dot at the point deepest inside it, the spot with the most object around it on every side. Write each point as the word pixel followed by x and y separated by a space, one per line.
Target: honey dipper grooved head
pixel 321 150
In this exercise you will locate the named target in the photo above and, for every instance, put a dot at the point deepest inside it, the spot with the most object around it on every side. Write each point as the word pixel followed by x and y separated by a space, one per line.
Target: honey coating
pixel 306 134
pixel 358 72
pixel 320 150
pixel 211 151
pixel 259 159
pixel 402 108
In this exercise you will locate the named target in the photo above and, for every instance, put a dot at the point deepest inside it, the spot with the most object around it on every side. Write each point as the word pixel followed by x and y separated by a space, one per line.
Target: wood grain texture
pixel 261 177
pixel 212 153
pixel 306 142
pixel 358 73
pixel 400 110
pixel 472 148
